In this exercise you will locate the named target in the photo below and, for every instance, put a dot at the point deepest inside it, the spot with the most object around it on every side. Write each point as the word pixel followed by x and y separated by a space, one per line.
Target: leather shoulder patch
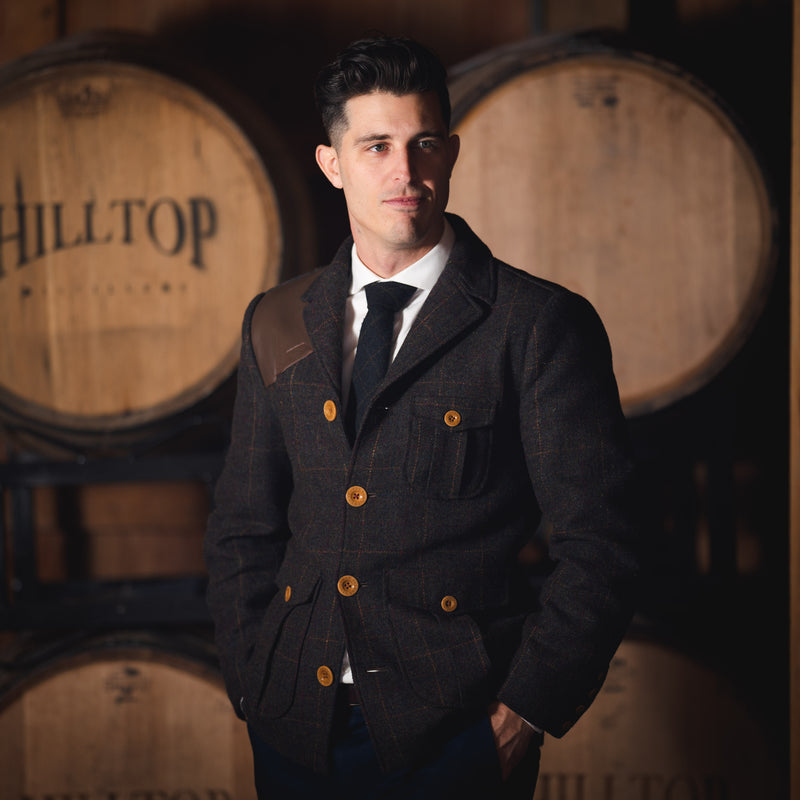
pixel 278 331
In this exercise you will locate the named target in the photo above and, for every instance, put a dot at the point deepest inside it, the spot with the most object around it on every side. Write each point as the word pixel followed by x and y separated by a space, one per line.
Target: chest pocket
pixel 450 446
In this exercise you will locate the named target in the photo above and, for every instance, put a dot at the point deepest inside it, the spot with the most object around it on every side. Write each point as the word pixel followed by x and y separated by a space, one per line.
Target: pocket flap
pixel 297 581
pixel 407 588
pixel 454 413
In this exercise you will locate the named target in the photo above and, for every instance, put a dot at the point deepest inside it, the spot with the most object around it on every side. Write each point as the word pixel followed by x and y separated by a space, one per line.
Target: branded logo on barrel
pixel 137 221
pixel 173 227
pixel 644 786
pixel 126 684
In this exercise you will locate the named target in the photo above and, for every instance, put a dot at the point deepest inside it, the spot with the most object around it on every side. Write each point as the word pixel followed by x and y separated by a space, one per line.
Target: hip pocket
pixel 281 642
pixel 440 648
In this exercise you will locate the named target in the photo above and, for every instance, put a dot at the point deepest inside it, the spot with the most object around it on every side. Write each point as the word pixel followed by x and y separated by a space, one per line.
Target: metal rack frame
pixel 28 603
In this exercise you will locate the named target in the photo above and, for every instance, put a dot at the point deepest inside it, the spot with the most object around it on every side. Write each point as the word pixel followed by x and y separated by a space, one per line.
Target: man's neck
pixel 389 265
pixel 386 262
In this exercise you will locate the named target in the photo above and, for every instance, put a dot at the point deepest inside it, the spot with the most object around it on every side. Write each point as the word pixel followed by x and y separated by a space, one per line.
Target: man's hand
pixel 512 735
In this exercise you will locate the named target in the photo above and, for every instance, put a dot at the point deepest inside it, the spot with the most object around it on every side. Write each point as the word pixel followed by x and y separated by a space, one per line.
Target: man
pixel 362 554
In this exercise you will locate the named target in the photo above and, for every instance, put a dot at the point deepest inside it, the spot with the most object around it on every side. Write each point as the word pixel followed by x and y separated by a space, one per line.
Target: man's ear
pixel 328 161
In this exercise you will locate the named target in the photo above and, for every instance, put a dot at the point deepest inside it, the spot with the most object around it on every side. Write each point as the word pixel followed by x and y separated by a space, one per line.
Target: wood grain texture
pixel 455 28
pixel 624 181
pixel 140 221
pixel 122 717
pixel 663 726
pixel 26 25
pixel 565 15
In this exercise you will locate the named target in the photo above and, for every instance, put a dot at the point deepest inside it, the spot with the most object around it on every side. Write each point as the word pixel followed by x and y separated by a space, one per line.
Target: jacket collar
pixel 459 300
pixel 471 262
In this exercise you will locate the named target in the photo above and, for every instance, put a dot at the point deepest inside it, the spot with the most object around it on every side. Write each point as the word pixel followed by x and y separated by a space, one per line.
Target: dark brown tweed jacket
pixel 423 514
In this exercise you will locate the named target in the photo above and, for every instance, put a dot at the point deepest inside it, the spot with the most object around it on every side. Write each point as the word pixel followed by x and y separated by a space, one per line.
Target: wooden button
pixel 329 410
pixel 452 418
pixel 287 595
pixel 347 585
pixel 325 676
pixel 356 496
pixel 449 603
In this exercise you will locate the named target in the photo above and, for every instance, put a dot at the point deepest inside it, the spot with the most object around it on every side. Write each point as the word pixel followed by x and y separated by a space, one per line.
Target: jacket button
pixel 452 418
pixel 329 410
pixel 449 603
pixel 356 496
pixel 287 595
pixel 347 585
pixel 325 676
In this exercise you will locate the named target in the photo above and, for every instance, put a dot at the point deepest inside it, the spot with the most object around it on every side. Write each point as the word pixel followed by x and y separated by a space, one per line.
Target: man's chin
pixel 415 232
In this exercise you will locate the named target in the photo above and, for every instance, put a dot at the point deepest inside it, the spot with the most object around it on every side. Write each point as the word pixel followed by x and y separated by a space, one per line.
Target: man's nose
pixel 404 167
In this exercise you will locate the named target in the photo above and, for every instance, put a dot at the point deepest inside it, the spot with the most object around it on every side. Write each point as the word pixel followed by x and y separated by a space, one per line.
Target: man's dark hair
pixel 396 65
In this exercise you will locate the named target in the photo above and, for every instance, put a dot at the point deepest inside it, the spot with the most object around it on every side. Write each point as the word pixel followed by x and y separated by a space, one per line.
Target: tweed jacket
pixel 400 543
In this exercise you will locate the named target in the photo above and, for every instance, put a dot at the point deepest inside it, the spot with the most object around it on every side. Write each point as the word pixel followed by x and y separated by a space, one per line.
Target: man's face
pixel 393 161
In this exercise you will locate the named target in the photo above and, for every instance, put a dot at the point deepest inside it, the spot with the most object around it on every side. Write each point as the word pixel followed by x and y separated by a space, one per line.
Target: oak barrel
pixel 626 179
pixel 121 715
pixel 142 205
pixel 665 726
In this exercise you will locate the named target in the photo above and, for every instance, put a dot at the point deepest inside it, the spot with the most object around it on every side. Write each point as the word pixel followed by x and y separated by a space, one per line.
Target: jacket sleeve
pixel 247 529
pixel 576 448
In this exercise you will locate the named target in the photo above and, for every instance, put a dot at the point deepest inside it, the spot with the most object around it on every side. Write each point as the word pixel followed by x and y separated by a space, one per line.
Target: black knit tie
pixel 384 300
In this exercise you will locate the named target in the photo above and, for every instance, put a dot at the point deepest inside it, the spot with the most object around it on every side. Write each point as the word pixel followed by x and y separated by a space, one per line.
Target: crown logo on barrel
pixel 88 101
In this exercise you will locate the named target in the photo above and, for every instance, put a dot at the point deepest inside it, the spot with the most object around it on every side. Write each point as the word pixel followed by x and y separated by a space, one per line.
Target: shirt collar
pixel 422 273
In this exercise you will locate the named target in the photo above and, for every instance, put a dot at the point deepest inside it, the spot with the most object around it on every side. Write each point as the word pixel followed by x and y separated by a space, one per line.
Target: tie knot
pixel 388 295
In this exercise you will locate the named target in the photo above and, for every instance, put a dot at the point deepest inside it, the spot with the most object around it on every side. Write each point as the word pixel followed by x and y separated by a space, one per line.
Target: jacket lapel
pixel 459 300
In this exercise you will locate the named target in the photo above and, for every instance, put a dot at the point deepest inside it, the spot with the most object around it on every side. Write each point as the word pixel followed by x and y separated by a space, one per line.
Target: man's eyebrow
pixel 382 137
pixel 431 135
pixel 372 137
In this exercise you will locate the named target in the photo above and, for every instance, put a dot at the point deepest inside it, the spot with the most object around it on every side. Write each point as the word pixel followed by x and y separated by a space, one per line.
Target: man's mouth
pixel 405 202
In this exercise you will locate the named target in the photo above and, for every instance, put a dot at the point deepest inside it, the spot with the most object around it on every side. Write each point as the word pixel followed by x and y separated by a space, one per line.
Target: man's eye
pixel 379 147
pixel 427 144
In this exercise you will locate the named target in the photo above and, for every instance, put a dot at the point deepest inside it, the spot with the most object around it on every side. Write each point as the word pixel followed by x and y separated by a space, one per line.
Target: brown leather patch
pixel 278 331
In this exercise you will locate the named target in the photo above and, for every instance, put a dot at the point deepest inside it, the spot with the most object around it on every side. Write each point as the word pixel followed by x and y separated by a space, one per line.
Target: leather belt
pixel 348 694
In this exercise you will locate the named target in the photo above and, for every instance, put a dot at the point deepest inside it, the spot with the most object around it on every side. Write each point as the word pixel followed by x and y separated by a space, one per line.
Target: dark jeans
pixel 465 767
